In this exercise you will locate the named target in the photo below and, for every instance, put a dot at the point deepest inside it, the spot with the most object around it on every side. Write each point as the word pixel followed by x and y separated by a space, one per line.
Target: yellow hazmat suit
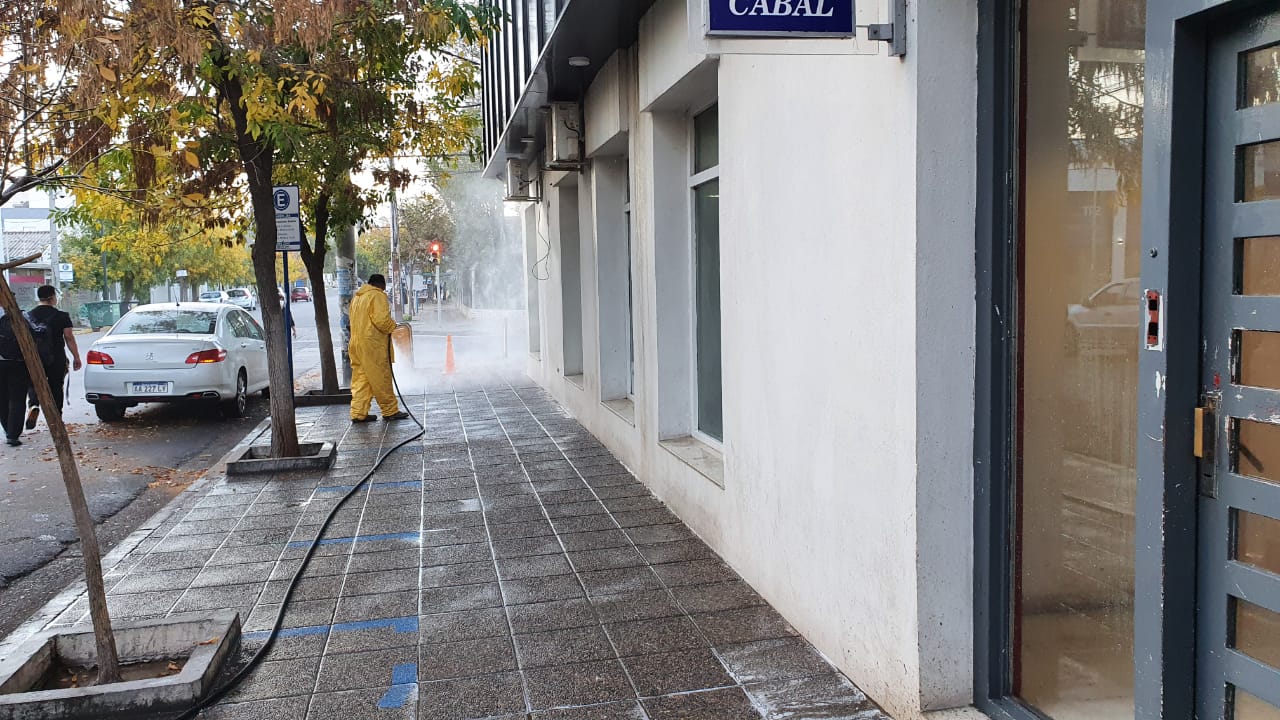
pixel 370 351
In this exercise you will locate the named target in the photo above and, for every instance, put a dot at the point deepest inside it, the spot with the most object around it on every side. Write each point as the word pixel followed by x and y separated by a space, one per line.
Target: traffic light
pixel 435 253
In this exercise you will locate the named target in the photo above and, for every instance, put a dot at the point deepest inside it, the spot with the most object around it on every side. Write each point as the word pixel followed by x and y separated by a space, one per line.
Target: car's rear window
pixel 165 322
pixel 237 293
pixel 210 296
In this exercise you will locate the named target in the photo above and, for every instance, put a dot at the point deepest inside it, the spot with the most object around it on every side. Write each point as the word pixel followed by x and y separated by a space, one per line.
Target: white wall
pixel 847 285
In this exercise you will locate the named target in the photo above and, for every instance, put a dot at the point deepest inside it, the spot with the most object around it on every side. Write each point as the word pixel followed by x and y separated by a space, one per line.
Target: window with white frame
pixel 704 185
pixel 611 183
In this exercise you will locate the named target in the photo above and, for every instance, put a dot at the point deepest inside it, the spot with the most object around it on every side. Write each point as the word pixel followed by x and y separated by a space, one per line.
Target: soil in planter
pixel 61 676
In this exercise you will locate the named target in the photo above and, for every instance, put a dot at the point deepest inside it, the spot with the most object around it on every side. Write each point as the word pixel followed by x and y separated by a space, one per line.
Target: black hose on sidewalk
pixel 218 693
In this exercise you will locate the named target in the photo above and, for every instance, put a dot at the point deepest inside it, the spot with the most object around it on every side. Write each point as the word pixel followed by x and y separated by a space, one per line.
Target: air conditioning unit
pixel 564 136
pixel 522 181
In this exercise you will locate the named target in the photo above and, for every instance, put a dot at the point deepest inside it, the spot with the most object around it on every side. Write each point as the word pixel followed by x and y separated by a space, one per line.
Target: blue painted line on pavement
pixel 361 538
pixel 401 625
pixel 404 680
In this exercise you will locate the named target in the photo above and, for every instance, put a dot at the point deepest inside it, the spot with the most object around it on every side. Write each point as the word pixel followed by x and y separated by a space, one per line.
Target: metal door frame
pixel 1168 378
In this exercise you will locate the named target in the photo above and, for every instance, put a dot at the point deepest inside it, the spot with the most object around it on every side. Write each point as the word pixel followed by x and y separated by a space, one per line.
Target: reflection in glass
pixel 1248 707
pixel 706 203
pixel 1257 450
pixel 1259 359
pixel 1260 171
pixel 1081 321
pixel 1258 265
pixel 706 139
pixel 1256 632
pixel 1261 76
pixel 1258 541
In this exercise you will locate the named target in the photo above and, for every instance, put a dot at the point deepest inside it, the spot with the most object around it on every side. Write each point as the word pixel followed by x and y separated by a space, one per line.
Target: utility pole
pixel 53 244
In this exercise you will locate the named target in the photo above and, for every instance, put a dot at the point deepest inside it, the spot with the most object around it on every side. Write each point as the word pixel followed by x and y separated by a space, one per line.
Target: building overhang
pixel 594 29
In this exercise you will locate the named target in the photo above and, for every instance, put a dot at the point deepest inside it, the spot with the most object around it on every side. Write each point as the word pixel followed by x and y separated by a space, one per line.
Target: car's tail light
pixel 207 356
pixel 96 357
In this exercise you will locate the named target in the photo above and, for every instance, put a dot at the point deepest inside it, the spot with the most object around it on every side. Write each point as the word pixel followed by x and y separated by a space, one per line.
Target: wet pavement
pixel 503 566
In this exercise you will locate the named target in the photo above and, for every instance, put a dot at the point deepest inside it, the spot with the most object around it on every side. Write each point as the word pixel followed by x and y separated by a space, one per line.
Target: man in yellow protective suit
pixel 370 351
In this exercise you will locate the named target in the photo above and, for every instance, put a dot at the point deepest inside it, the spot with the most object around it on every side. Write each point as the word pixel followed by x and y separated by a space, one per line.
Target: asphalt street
pixel 145 461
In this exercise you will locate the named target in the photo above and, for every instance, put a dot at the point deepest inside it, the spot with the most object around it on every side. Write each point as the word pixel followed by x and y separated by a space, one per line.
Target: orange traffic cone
pixel 449 367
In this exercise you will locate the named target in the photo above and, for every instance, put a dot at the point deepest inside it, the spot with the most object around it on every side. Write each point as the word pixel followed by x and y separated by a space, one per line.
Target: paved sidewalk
pixel 505 566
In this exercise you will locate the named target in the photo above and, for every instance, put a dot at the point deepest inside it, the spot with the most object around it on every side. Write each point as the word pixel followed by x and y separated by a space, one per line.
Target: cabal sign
pixel 830 18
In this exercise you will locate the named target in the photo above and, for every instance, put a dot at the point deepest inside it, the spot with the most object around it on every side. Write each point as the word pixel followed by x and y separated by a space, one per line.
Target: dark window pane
pixel 1260 171
pixel 706 139
pixel 1261 76
pixel 706 208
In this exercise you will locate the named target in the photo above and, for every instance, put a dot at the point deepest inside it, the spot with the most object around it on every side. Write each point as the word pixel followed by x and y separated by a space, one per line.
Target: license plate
pixel 151 388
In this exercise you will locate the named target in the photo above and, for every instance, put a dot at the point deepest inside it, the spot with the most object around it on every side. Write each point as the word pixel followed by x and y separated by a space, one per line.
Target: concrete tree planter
pixel 257 459
pixel 203 642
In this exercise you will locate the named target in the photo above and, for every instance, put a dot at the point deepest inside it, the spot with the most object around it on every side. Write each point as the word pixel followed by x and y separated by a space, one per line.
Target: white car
pixel 243 298
pixel 175 352
pixel 214 296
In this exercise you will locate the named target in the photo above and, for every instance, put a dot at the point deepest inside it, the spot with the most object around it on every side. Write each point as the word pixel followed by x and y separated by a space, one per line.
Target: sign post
pixel 288 239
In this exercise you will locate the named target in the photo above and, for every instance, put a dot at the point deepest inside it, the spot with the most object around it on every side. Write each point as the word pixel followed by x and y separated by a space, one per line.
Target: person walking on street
pixel 53 342
pixel 370 351
pixel 14 381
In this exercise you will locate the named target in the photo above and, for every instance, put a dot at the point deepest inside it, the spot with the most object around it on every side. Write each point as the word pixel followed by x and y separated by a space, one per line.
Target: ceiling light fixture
pixel 579 61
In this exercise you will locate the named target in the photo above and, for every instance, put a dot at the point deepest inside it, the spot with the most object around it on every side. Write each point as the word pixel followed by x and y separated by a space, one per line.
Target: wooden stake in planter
pixel 108 660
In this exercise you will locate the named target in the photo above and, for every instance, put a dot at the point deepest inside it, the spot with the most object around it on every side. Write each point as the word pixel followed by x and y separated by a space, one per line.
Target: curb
pixel 63 600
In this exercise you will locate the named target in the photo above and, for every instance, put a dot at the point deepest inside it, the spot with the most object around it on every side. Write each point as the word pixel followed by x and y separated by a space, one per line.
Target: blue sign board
pixel 832 18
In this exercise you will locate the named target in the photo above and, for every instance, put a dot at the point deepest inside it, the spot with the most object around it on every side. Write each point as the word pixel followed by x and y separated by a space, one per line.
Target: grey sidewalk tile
pixel 531 513
pixel 309 588
pixel 651 534
pixel 201 527
pixel 596 540
pixel 453 521
pixel 218 597
pixel 290 708
pixel 585 508
pixel 156 561
pixel 247 554
pixel 558 647
pixel 619 581
pixel 381 581
pixel 630 488
pixel 472 573
pixel 635 606
pixel 448 507
pixel 389 560
pixel 731 627
pixel 386 526
pixel 466 658
pixel 695 572
pixel 731 704
pixel 354 671
pixel 645 637
pixel 488 492
pixel 632 503
pixel 541 589
pixel 502 502
pixel 277 679
pixel 155 581
pixel 375 638
pixel 453 554
pixel 512 531
pixel 526 547
pixel 542 484
pixel 299 613
pixel 583 523
pixel 554 615
pixel 715 597
pixel 677 551
pixel 259 522
pixel 776 659
pixel 460 597
pixel 456 536
pixel 567 497
pixel 676 672
pixel 363 705
pixel 581 684
pixel 288 647
pixel 487 697
pixel 275 536
pixel 356 608
pixel 464 625
pixel 606 559
pixel 610 711
pixel 533 566
pixel 830 696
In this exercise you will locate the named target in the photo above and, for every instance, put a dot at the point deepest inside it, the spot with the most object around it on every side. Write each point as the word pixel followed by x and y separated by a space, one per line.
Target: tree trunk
pixel 258 157
pixel 108 660
pixel 313 260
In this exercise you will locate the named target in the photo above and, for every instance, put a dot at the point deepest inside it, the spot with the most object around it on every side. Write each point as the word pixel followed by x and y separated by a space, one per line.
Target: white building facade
pixel 873 325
